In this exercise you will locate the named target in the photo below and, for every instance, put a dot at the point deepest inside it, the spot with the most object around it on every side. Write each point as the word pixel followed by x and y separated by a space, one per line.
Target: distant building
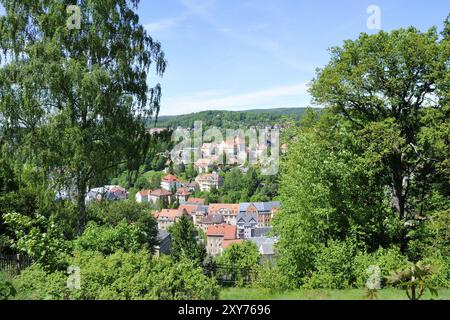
pixel 204 165
pixel 143 196
pixel 210 220
pixel 183 194
pixel 265 211
pixel 218 237
pixel 266 247
pixel 170 182
pixel 112 193
pixel 164 245
pixel 246 225
pixel 228 211
pixel 167 217
pixel 192 200
pixel 209 181
pixel 161 195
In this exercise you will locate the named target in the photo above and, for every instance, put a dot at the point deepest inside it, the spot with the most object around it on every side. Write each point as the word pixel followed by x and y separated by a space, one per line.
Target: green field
pixel 349 294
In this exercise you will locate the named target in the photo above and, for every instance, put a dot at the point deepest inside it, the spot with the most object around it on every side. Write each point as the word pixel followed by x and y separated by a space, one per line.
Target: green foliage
pixel 7 290
pixel 333 266
pixel 186 241
pixel 35 283
pixel 242 259
pixel 91 118
pixel 120 276
pixel 114 212
pixel 272 278
pixel 109 239
pixel 414 280
pixel 386 259
pixel 231 119
pixel 40 238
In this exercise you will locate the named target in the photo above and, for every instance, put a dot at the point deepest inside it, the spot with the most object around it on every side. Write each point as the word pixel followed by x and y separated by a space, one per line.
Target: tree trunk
pixel 81 205
pixel 398 196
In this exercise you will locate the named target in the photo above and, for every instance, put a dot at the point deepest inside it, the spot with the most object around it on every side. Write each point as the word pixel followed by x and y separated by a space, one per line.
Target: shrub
pixel 108 239
pixel 6 288
pixel 120 276
pixel 34 283
pixel 386 259
pixel 333 266
pixel 272 278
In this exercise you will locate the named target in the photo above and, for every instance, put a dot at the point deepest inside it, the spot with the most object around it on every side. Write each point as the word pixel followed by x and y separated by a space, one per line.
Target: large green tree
pixel 74 100
pixel 390 87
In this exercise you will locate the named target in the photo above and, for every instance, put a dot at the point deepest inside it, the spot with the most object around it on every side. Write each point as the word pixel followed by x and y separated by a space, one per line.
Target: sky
pixel 247 54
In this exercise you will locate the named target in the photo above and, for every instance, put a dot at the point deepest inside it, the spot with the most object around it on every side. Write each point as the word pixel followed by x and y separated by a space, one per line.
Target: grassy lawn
pixel 349 294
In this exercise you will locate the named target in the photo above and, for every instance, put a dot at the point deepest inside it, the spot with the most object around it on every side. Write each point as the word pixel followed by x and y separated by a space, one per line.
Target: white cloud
pixel 271 97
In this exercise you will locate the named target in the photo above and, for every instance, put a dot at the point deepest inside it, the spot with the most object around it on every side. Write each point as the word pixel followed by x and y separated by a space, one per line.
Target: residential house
pixel 204 165
pixel 209 181
pixel 143 196
pixel 112 193
pixel 246 225
pixel 183 194
pixel 228 211
pixel 219 236
pixel 161 195
pixel 264 210
pixel 170 182
pixel 192 200
pixel 192 186
pixel 167 217
pixel 164 245
pixel 210 220
pixel 266 247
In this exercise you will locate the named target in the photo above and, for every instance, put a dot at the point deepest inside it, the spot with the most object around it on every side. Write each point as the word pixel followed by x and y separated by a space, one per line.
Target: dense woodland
pixel 233 119
pixel 365 182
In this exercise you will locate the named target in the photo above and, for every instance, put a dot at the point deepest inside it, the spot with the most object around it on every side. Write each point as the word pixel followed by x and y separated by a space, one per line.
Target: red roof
pixel 196 200
pixel 170 178
pixel 226 230
pixel 170 214
pixel 219 207
pixel 190 208
pixel 227 243
pixel 183 192
pixel 144 193
pixel 160 193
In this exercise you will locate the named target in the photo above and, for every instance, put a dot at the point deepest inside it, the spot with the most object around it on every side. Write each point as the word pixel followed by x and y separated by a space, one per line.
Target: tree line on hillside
pixel 232 119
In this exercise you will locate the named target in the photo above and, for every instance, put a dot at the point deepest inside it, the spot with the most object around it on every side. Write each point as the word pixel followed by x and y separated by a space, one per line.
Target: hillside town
pixel 222 224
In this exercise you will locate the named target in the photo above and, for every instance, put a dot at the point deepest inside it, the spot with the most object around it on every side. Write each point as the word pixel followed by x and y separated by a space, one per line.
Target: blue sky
pixel 245 54
pixel 242 54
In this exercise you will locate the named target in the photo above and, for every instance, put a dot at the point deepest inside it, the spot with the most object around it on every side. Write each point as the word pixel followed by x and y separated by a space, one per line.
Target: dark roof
pixel 247 219
pixel 213 219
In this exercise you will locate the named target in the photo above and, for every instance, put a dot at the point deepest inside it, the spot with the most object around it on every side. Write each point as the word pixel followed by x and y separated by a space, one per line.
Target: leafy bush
pixel 35 283
pixel 40 238
pixel 108 239
pixel 441 277
pixel 333 266
pixel 6 288
pixel 242 258
pixel 272 278
pixel 386 259
pixel 120 276
pixel 114 212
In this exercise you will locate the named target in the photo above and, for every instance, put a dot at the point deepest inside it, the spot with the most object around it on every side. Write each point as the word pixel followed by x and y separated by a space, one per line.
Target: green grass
pixel 303 294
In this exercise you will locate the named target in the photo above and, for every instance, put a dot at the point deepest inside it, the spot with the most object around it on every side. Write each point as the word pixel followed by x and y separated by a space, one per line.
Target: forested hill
pixel 232 119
